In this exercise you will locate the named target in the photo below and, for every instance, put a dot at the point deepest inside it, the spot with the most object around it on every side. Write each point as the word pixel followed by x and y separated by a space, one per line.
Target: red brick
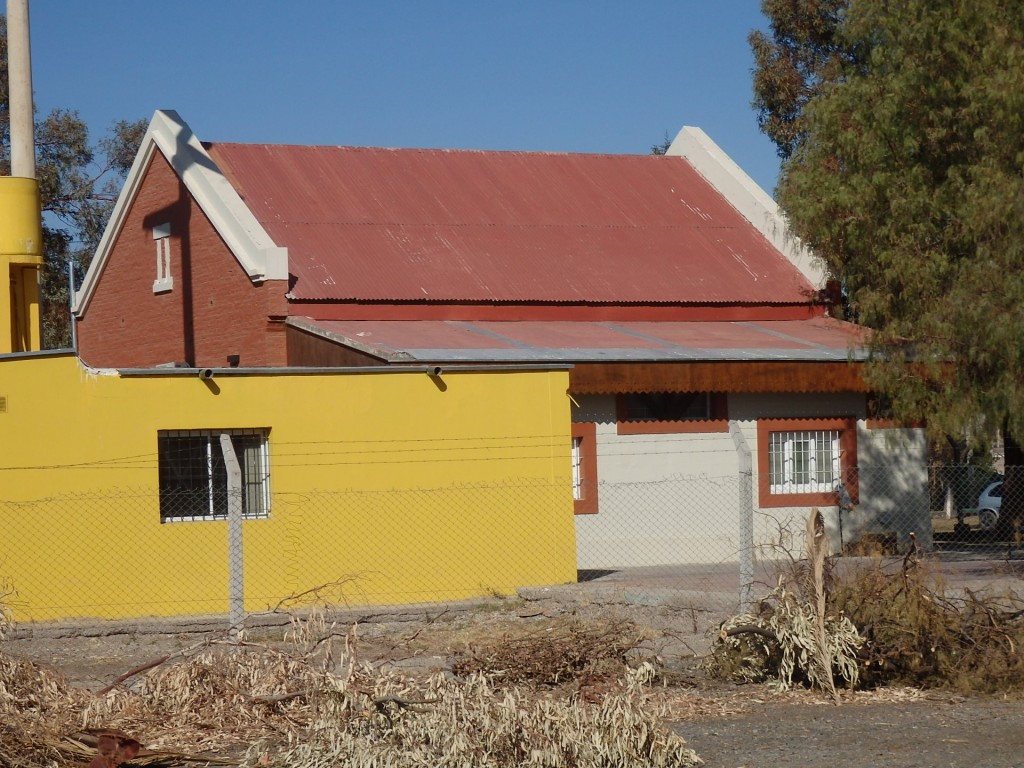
pixel 214 309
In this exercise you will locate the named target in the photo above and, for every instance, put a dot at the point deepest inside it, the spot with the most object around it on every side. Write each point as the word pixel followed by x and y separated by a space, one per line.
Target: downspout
pixel 71 304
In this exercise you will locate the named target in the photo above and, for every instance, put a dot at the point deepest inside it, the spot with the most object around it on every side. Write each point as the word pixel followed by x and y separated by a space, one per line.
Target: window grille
pixel 803 462
pixel 193 474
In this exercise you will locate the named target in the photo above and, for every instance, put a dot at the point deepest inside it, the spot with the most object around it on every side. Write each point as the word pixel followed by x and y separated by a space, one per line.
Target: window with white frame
pixel 803 462
pixel 194 481
pixel 584 467
pixel 162 237
pixel 577 468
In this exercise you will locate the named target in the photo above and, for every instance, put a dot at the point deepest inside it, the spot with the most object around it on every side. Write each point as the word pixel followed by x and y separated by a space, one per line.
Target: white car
pixel 989 502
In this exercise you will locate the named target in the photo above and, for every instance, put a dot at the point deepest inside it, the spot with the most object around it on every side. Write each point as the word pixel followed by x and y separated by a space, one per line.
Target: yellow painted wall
pixel 396 487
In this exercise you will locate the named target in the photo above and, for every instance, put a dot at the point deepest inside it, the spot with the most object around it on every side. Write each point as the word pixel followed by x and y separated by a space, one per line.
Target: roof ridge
pixel 508 225
pixel 438 150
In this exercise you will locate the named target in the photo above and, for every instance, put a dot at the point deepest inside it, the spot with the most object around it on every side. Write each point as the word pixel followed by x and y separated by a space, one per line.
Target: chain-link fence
pixel 694 543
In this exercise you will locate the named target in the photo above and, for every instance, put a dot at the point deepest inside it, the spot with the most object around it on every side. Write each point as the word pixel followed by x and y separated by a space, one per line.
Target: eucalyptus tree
pixel 78 184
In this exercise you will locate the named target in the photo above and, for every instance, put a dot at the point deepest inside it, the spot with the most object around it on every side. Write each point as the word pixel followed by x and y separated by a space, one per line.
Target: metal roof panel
pixel 365 224
pixel 451 341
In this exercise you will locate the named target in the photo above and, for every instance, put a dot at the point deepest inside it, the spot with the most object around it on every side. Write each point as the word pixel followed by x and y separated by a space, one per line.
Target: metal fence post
pixel 746 513
pixel 236 583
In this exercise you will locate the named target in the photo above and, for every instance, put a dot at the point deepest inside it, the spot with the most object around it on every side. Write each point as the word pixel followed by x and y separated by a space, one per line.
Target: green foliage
pixel 78 184
pixel 907 178
pixel 792 65
pixel 662 146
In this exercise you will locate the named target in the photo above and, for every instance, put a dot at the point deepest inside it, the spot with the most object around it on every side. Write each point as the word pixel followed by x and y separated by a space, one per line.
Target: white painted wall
pixel 662 499
pixel 893 485
pixel 674 498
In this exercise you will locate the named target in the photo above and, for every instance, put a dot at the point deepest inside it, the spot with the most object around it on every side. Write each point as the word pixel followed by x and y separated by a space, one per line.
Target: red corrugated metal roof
pixel 364 224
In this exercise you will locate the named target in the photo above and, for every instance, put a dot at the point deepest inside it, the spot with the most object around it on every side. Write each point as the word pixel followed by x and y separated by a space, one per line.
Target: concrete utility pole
pixel 236 578
pixel 19 70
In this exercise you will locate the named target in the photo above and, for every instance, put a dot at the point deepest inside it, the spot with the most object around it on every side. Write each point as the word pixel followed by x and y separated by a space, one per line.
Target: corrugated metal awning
pixel 449 341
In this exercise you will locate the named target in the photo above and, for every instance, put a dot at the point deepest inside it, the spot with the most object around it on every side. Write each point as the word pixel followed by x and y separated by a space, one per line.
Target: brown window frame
pixel 586 432
pixel 718 420
pixel 846 426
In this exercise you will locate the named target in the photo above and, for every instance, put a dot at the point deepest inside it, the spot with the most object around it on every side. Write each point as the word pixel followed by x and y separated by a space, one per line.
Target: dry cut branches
pixel 794 637
pixel 551 653
pixel 890 623
pixel 307 703
pixel 917 632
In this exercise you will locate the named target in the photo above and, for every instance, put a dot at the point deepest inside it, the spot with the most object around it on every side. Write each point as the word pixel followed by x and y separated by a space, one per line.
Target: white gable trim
pixel 747 197
pixel 245 237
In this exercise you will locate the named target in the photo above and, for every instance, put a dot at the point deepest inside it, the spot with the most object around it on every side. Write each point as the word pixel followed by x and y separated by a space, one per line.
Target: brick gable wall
pixel 214 309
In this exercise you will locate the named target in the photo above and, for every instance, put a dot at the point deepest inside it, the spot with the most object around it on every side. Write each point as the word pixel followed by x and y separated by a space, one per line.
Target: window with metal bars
pixel 577 468
pixel 803 462
pixel 194 475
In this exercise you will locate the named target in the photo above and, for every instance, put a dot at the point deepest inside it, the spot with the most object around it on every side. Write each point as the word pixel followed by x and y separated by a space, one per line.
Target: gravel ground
pixel 933 732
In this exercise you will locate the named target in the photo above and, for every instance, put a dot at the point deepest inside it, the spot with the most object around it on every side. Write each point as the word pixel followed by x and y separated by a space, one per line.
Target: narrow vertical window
pixel 584 467
pixel 577 468
pixel 162 238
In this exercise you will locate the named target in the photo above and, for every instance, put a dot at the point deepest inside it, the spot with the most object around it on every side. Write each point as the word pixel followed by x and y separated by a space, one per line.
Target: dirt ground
pixel 728 725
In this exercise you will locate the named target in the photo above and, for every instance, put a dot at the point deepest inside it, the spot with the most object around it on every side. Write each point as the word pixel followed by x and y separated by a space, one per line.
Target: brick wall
pixel 214 309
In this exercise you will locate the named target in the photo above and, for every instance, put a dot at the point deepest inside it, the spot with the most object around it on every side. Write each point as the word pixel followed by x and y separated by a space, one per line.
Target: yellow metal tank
pixel 21 255
pixel 20 223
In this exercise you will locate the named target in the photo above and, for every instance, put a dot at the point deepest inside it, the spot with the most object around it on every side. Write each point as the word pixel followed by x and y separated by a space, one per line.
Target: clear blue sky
pixel 552 75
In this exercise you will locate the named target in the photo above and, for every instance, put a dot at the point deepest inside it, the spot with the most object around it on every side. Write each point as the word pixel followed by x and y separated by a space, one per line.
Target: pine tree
pixel 903 142
pixel 907 178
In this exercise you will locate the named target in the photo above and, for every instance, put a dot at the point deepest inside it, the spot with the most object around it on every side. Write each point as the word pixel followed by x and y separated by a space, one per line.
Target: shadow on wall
pixel 894 504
